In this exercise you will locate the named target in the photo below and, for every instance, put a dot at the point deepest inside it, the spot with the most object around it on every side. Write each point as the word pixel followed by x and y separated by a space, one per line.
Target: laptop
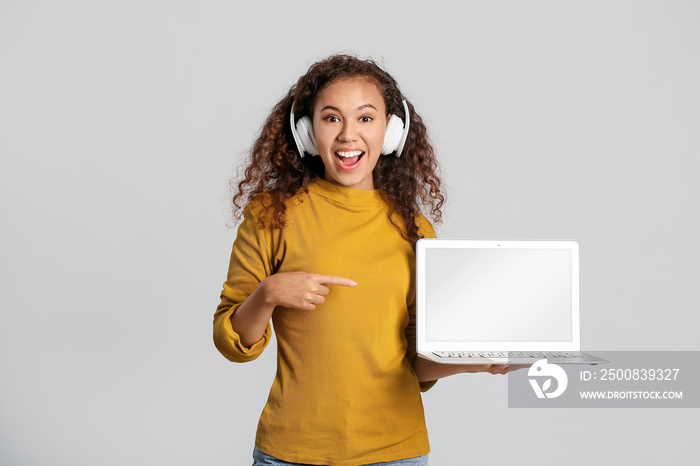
pixel 495 302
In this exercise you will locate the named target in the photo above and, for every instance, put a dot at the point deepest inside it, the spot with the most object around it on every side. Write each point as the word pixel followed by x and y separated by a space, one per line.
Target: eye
pixel 366 118
pixel 331 119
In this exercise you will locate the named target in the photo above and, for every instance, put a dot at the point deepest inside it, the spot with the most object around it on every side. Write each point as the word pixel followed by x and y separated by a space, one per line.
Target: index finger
pixel 517 367
pixel 334 280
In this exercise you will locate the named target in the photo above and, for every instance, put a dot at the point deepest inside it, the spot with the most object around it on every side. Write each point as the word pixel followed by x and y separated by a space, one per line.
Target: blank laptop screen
pixel 498 295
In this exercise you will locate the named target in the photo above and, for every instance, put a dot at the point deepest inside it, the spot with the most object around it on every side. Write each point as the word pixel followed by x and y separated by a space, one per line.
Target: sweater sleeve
pixel 426 230
pixel 250 263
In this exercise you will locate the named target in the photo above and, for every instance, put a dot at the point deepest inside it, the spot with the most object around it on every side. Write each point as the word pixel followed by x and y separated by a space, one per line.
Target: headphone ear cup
pixel 397 132
pixel 305 129
pixel 392 136
pixel 406 126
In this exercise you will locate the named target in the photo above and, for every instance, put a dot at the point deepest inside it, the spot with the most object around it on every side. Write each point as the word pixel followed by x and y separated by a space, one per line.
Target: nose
pixel 348 132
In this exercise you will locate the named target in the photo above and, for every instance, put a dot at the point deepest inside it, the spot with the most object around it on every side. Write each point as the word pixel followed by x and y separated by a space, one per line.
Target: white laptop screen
pixel 498 295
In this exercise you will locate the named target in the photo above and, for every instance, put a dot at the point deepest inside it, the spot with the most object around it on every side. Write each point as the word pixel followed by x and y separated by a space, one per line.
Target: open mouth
pixel 349 159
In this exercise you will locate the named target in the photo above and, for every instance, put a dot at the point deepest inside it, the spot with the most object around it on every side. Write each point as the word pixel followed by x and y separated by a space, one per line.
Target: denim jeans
pixel 262 459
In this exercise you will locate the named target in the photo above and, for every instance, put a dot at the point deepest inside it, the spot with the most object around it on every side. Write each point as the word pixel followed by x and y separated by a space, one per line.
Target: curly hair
pixel 276 170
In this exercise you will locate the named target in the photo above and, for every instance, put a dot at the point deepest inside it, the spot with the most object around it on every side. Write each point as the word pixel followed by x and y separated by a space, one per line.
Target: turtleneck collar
pixel 344 195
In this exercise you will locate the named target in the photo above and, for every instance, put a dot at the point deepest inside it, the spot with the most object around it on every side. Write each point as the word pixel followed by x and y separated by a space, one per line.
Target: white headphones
pixel 394 137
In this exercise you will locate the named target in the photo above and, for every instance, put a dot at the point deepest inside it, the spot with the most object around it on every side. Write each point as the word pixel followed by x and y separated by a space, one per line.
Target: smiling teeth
pixel 353 153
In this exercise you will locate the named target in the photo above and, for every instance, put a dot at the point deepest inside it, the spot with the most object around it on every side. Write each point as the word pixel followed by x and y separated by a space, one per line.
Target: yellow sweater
pixel 345 392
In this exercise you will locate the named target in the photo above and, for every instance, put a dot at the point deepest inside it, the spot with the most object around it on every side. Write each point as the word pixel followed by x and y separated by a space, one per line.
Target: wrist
pixel 263 293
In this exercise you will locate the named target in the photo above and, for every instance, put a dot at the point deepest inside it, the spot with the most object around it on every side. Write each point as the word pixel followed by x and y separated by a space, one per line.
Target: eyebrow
pixel 336 109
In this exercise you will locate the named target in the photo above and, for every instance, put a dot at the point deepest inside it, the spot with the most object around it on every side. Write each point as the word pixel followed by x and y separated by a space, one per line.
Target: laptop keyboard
pixel 507 354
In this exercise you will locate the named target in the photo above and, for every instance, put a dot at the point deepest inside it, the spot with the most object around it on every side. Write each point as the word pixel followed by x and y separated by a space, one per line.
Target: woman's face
pixel 349 123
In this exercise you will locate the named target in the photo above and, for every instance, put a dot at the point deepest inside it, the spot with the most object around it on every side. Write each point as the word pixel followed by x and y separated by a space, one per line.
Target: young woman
pixel 326 250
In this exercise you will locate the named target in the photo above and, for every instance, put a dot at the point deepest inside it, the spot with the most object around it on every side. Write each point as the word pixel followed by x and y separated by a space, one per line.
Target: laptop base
pixel 515 357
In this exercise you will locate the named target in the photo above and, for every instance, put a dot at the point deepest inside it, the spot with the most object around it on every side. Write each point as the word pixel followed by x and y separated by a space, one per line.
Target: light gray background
pixel 121 123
